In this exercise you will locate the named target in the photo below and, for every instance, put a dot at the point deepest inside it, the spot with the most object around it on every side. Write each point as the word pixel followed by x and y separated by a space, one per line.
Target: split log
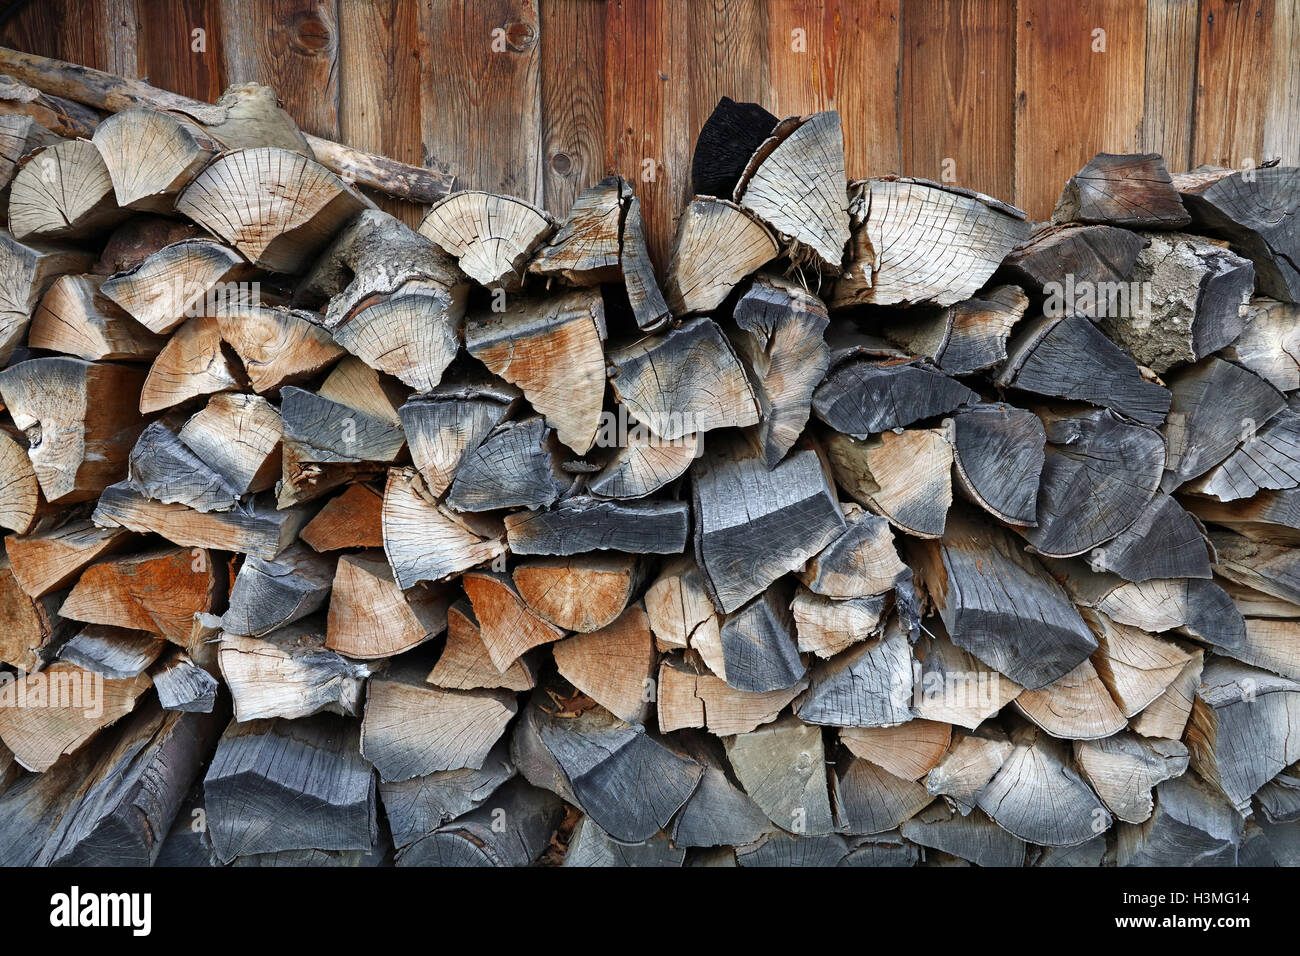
pixel 464 663
pixel 20 492
pixel 1193 825
pixel 999 454
pixel 954 686
pixel 688 696
pixel 50 560
pixel 152 156
pixel 798 190
pixel 1269 345
pixel 590 846
pixel 349 520
pixel 826 626
pixel 1071 264
pixel 585 250
pixel 512 828
pixel 893 220
pixel 1034 637
pixel 649 308
pixel 19 135
pixel 278 785
pixel 394 299
pixel 869 685
pixel 51 713
pixel 183 685
pixel 138 238
pixel 31 630
pixel 508 626
pixel 1268 458
pixel 177 282
pixel 684 382
pixel 35 804
pixel 76 319
pixel 909 750
pixel 1069 358
pixel 582 593
pixel 1037 796
pixel 783 850
pixel 158 591
pixel 753 524
pixel 62 116
pixel 62 192
pixel 861 562
pixel 424 542
pixel 863 397
pixel 905 476
pixel 975 837
pixel 258 529
pixel 964 338
pixel 1270 568
pixel 515 466
pixel 968 766
pixel 275 206
pixel 268 594
pixel 1255 211
pixel 289 674
pixel 277 346
pixel 342 423
pixel 729 137
pixel 84 415
pixel 552 350
pixel 782 768
pixel 1186 298
pixel 445 425
pixel 1273 645
pixel 412 729
pixel 1279 799
pixel 1136 667
pixel 113 652
pixel 870 800
pixel 26 272
pixel 682 614
pixel 492 237
pixel 1075 706
pixel 418 806
pixel 718 813
pixel 193 363
pixel 163 468
pixel 717 245
pixel 1132 190
pixel 759 650
pixel 615 666
pixel 644 464
pixel 1164 542
pixel 1124 769
pixel 580 524
pixel 1099 474
pixel 238 437
pixel 371 616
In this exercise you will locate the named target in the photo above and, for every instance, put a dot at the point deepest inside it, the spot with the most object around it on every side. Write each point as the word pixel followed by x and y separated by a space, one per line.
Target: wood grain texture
pixel 174 57
pixel 1235 42
pixel 573 100
pixel 1170 94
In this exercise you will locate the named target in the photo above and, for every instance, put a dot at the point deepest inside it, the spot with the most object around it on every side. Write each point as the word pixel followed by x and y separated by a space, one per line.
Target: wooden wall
pixel 540 98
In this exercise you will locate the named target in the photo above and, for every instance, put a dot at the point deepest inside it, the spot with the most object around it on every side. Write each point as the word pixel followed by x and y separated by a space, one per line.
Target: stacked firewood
pixel 883 528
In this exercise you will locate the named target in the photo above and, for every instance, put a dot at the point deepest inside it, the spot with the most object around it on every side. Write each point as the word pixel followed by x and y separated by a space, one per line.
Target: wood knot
pixel 562 164
pixel 520 36
pixel 310 35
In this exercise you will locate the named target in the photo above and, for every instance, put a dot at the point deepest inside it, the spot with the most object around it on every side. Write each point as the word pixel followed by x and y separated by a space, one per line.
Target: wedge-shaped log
pixel 861 397
pixel 782 768
pixel 177 282
pixel 1270 343
pixel 193 363
pixel 1075 706
pixel 869 685
pixel 76 319
pixel 20 495
pixel 19 135
pixel 516 466
pixel 1071 264
pixel 31 629
pixel 508 626
pixel 26 272
pixel 62 192
pixel 975 837
pixel 464 663
pixel 1125 768
pixel 52 559
pixel 1136 667
pixel 1193 825
pixel 759 649
pixel 970 763
pixel 869 799
pixel 718 244
pixel 909 750
pixel 530 816
pixel 729 137
pixel 163 468
pixel 152 156
pixel 584 592
pixel 183 685
pixel 905 476
pixel 1268 458
pixel 649 308
pixel 492 237
pixel 614 666
pixel 718 813
pixel 238 437
pixel 967 337
pixel 445 425
pixel 268 594
pixel 690 696
pixel 424 542
pixel 158 591
pixel 956 686
pixel 861 562
pixel 585 250
pixel 372 617
pixel 580 524
pixel 289 674
pixel 417 807
pixel 1131 189
pixel 112 652
pixel 826 626
pixel 999 454
pixel 277 346
pixel 348 520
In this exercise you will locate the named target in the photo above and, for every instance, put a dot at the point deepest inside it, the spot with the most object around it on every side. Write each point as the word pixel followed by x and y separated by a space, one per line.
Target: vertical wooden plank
pixel 175 58
pixel 123 37
pixel 728 56
pixel 33 29
pixel 291 45
pixel 840 54
pixel 1078 91
pixel 958 119
pixel 647 109
pixel 379 86
pixel 480 94
pixel 1170 88
pixel 1235 53
pixel 573 100
pixel 1282 119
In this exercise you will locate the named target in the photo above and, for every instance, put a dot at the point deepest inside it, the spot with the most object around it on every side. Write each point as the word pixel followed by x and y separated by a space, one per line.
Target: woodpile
pixel 884 527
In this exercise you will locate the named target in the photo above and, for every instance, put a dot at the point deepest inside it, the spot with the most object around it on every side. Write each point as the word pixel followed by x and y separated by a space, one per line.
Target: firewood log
pixel 152 156
pixel 34 804
pixel 870 800
pixel 158 591
pixel 754 524
pixel 999 454
pixel 20 494
pixel 717 245
pixel 615 666
pixel 861 562
pixel 589 845
pixel 27 270
pixel 50 560
pixel 729 137
pixel 113 652
pixel 1267 459
pixel 19 135
pixel 909 750
pixel 176 281
pixel 1265 567
pixel 798 189
pixel 131 243
pixel 954 685
pixel 869 685
pixel 1186 299
pixel 1164 542
pixel 1037 796
pixel 192 364
pixel 1255 211
pixel 62 116
pixel 1071 264
pixel 1125 768
pixel 350 419
pixel 62 192
pixel 515 466
pixel 1033 638
pixel 1279 799
pixel 1235 704
pixel 690 696
pixel 967 337
pixel 862 396
pixel 1137 667
pixel 277 346
pixel 238 437
pixel 585 250
pixel 418 806
pixel 76 319
pixel 275 206
pixel 286 785
pixel 1193 825
pixel 448 423
pixel 974 837
pixel 491 237
pixel 582 593
pixel 163 468
pixel 1131 190
pixel 893 219
pixel 718 813
pixel 1100 472
pixel 464 663
pixel 424 542
pixel 905 476
pixel 31 630
pixel 258 529
pixel 686 381
pixel 649 308
pixel 183 685
pixel 508 626
pixel 826 626
pixel 1075 706
pixel 512 828
pixel 1269 343
pixel 581 524
pixel 1271 644
pixel 552 350
pixel 51 713
pixel 268 594
pixel 412 728
pixel 371 616
pixel 759 647
pixel 782 850
pixel 348 520
pixel 1069 358
pixel 782 768
pixel 679 608
pixel 1253 603
pixel 969 764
